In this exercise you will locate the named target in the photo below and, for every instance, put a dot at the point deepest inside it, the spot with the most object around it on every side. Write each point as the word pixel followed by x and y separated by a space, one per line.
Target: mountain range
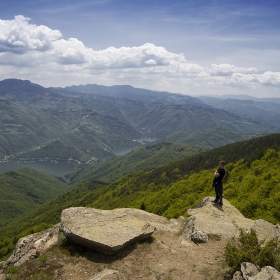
pixel 89 122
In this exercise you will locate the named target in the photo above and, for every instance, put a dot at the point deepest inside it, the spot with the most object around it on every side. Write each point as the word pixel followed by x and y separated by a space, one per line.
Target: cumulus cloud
pixel 19 36
pixel 228 70
pixel 33 49
pixel 269 78
pixel 72 51
pixel 136 57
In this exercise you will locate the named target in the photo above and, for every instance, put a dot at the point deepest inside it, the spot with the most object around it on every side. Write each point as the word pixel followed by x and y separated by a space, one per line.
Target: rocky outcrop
pixel 210 219
pixel 250 271
pixel 267 273
pixel 107 231
pixel 32 246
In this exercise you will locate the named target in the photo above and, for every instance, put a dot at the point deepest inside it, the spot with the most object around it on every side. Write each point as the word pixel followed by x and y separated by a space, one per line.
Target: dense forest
pixel 252 184
pixel 24 190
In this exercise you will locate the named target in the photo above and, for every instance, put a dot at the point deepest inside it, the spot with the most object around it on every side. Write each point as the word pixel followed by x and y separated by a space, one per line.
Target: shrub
pixel 248 249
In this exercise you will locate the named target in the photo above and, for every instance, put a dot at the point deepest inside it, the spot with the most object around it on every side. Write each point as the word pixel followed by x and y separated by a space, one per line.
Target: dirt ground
pixel 160 258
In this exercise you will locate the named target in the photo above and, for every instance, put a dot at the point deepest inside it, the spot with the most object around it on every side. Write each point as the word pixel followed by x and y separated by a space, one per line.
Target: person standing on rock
pixel 218 183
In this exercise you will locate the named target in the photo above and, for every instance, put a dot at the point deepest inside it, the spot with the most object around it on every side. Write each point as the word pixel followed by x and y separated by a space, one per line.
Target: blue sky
pixel 193 47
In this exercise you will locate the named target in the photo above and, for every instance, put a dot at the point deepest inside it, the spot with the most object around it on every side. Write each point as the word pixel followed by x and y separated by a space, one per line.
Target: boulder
pixel 248 270
pixel 224 221
pixel 199 237
pixel 266 231
pixel 32 246
pixel 108 274
pixel 253 272
pixel 266 273
pixel 107 231
pixel 237 276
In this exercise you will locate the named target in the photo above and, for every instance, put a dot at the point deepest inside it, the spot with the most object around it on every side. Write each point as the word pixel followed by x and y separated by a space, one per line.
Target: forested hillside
pixel 257 109
pixel 22 129
pixel 252 184
pixel 24 190
pixel 85 123
pixel 144 158
pixel 214 137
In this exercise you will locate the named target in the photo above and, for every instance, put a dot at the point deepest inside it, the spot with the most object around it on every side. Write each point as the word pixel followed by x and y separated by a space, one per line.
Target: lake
pixel 61 168
pixel 58 169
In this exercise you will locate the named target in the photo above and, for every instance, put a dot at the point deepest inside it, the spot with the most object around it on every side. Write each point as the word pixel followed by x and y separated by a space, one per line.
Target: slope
pixel 252 184
pixel 96 119
pixel 21 128
pixel 143 158
pixel 159 114
pixel 93 136
pixel 24 190
pixel 212 138
pixel 258 109
pixel 83 130
pixel 163 120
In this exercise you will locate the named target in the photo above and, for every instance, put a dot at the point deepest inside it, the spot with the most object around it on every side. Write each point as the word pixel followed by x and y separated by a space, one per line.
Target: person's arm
pixel 216 174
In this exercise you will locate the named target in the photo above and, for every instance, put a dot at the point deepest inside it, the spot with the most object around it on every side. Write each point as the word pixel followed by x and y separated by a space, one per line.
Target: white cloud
pixel 19 36
pixel 38 52
pixel 72 51
pixel 269 78
pixel 150 62
pixel 228 70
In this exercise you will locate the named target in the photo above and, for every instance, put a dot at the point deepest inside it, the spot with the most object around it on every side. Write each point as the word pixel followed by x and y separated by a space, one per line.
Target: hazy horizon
pixel 191 47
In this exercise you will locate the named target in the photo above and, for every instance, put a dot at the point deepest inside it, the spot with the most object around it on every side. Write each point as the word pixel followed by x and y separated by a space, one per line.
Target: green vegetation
pixel 258 109
pixel 21 129
pixel 212 138
pixel 89 123
pixel 252 184
pixel 24 190
pixel 144 158
pixel 250 250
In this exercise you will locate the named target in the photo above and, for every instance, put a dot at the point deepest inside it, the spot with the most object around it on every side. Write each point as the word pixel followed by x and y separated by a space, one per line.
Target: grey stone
pixel 32 246
pixel 108 274
pixel 266 231
pixel 249 270
pixel 266 273
pixel 199 237
pixel 224 221
pixel 237 276
pixel 107 231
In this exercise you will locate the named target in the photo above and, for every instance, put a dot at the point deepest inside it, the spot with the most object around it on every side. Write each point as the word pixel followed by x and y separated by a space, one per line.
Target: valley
pixel 117 147
pixel 85 122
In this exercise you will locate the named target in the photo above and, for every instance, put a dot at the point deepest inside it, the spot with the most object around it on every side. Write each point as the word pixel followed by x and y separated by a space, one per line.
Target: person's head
pixel 222 163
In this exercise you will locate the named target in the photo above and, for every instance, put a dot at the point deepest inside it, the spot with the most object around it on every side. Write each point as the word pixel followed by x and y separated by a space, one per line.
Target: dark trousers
pixel 219 192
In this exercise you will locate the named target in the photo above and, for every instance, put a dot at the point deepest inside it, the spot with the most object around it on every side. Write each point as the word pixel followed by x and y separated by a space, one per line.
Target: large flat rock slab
pixel 107 231
pixel 209 219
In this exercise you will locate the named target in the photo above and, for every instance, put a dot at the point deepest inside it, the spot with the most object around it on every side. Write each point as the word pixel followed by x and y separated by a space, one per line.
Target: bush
pixel 248 249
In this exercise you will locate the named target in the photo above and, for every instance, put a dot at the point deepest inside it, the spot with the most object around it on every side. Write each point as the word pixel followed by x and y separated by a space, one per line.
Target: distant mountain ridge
pixel 129 92
pixel 89 122
pixel 255 108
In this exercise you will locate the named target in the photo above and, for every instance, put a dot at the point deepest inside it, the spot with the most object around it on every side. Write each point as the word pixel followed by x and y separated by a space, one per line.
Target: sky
pixel 194 47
